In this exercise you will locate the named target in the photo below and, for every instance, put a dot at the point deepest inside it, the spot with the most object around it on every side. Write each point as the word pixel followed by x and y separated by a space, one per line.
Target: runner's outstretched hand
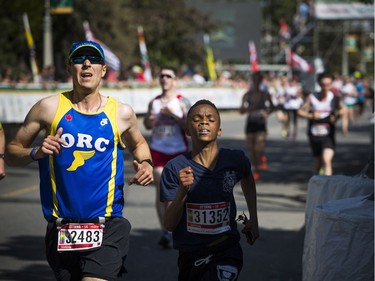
pixel 144 175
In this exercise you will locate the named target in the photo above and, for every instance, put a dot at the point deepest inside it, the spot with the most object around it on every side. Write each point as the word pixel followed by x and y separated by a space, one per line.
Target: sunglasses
pixel 92 59
pixel 166 76
pixel 325 84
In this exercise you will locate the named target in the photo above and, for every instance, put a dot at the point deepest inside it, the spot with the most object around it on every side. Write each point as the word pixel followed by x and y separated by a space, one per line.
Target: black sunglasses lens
pixel 165 75
pixel 92 59
pixel 78 60
pixel 95 59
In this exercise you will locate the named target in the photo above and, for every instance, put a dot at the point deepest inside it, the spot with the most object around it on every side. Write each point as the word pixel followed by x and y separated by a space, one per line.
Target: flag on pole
pixel 253 57
pixel 112 61
pixel 296 62
pixel 210 62
pixel 31 45
pixel 284 31
pixel 144 57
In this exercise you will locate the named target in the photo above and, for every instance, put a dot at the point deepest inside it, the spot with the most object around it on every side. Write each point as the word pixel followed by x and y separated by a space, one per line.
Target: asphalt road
pixel 282 190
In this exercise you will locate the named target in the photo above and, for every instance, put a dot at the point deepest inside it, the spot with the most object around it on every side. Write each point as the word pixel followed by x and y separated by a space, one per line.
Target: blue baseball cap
pixel 88 46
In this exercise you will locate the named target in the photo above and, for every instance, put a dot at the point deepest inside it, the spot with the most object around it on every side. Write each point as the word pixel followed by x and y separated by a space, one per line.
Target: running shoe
pixel 284 133
pixel 256 175
pixel 263 163
pixel 165 241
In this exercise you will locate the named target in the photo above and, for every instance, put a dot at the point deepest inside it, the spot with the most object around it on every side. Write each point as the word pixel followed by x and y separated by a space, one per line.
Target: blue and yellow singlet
pixel 86 179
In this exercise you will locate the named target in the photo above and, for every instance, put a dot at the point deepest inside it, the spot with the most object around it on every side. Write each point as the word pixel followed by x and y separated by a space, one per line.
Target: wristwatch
pixel 149 161
pixel 2 155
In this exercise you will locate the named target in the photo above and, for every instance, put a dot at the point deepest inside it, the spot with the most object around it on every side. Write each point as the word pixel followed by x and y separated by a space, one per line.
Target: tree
pixel 13 48
pixel 170 32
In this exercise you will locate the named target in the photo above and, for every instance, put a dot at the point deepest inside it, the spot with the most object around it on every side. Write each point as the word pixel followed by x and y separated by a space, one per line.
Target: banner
pixel 253 57
pixel 210 62
pixel 111 60
pixel 368 53
pixel 61 7
pixel 144 57
pixel 350 43
pixel 296 62
pixel 341 10
pixel 31 45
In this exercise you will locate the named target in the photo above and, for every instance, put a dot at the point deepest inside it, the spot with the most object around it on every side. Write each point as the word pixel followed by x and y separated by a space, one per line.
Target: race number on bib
pixel 208 218
pixel 320 130
pixel 80 236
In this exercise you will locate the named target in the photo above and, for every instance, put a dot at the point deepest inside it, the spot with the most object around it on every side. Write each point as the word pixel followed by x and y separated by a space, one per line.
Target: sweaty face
pixel 203 123
pixel 87 73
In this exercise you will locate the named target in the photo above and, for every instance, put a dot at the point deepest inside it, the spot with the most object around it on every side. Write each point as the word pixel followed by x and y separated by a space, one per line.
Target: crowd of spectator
pixel 128 78
pixel 355 91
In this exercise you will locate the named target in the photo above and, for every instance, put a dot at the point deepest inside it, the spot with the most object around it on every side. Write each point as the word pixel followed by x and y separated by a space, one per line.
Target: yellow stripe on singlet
pixel 111 112
pixel 64 106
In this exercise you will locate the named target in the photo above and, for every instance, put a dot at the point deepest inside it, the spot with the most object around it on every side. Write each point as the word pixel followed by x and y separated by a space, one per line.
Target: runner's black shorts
pixel 221 262
pixel 255 126
pixel 318 144
pixel 106 262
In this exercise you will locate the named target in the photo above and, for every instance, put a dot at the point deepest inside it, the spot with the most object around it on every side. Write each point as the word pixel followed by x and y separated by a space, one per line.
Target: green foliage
pixel 13 47
pixel 170 28
pixel 276 10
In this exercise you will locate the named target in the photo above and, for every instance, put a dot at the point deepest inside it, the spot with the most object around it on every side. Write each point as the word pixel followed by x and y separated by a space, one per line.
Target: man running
pixel 81 169
pixel 166 117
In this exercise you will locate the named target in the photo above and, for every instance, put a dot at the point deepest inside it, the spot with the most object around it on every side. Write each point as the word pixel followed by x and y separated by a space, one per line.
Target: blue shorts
pixel 106 262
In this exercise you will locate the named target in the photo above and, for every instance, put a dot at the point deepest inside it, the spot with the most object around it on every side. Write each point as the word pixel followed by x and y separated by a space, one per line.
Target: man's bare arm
pixel 39 118
pixel 136 144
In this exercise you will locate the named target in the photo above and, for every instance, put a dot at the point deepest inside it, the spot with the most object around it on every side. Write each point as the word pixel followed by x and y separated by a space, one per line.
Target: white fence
pixel 14 104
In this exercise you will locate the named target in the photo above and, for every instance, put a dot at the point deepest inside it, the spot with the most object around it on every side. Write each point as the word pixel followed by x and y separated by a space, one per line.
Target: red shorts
pixel 160 159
